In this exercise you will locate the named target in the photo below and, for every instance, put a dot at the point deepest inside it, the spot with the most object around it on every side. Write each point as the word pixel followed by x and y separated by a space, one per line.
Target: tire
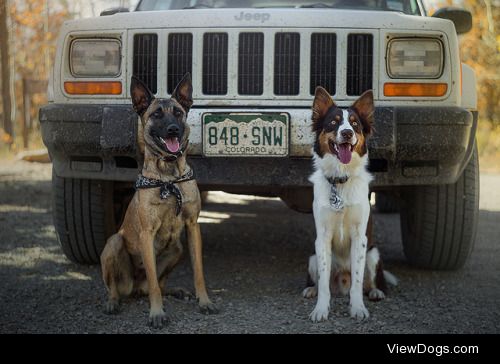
pixel 438 223
pixel 83 217
pixel 386 203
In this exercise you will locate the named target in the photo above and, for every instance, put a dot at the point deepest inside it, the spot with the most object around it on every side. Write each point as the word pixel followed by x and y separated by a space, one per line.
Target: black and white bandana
pixel 336 201
pixel 167 188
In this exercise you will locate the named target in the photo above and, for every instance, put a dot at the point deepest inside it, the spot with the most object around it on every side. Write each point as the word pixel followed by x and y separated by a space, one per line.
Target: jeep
pixel 255 65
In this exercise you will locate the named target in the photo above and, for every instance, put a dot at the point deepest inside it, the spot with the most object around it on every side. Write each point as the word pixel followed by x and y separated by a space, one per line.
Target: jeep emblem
pixel 262 17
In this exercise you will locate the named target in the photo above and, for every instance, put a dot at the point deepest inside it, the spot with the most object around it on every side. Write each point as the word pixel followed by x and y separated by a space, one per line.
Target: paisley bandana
pixel 167 188
pixel 336 201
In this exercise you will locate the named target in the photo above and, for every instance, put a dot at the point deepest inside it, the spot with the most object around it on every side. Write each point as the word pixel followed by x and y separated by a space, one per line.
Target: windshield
pixel 405 6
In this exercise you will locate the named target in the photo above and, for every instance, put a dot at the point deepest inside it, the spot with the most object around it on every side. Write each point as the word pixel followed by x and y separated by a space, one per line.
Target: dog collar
pixel 167 188
pixel 337 180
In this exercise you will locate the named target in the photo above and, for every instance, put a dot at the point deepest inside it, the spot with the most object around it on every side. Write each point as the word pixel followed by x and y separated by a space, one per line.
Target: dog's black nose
pixel 347 134
pixel 173 130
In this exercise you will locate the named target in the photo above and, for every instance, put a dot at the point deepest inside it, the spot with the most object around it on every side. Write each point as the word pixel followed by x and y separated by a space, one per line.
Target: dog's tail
pixel 390 278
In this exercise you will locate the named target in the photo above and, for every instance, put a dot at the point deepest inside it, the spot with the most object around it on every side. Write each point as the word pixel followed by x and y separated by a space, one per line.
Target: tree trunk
pixel 4 52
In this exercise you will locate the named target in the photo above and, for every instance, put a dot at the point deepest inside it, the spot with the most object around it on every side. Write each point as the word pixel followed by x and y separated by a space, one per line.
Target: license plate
pixel 246 134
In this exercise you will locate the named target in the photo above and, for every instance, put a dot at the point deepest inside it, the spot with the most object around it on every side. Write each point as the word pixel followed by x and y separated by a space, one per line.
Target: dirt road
pixel 255 261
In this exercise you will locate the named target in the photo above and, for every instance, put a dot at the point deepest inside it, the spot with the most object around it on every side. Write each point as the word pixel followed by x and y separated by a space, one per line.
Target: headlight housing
pixel 95 58
pixel 415 58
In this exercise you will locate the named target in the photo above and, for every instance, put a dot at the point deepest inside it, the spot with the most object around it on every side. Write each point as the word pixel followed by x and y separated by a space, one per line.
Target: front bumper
pixel 411 146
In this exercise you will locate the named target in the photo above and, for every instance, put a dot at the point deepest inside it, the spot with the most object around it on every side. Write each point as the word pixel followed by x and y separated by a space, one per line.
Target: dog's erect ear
pixel 183 92
pixel 141 96
pixel 365 108
pixel 321 104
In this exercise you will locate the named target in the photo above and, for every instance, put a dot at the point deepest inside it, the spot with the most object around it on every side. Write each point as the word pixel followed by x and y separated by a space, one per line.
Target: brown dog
pixel 139 257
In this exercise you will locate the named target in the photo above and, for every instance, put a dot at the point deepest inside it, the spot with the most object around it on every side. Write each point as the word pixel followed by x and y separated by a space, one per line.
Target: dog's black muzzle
pixel 167 127
pixel 167 134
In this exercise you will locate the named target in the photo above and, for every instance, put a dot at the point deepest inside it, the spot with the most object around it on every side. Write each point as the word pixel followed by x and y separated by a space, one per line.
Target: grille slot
pixel 145 60
pixel 215 63
pixel 251 64
pixel 359 63
pixel 180 58
pixel 286 64
pixel 323 61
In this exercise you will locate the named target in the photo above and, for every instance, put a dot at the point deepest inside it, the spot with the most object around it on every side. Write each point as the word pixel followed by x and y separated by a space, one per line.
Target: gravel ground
pixel 255 262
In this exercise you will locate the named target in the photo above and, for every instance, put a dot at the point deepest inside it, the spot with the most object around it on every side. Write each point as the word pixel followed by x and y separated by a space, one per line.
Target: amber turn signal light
pixel 415 89
pixel 93 88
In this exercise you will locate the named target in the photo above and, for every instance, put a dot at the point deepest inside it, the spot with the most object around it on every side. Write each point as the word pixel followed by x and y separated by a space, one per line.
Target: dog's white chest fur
pixel 354 192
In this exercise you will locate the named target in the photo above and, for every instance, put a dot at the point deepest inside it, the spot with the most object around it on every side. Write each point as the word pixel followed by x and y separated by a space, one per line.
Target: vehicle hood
pixel 259 18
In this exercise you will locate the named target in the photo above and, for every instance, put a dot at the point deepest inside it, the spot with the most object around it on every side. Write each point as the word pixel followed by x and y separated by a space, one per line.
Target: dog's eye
pixel 177 112
pixel 333 122
pixel 157 113
pixel 355 123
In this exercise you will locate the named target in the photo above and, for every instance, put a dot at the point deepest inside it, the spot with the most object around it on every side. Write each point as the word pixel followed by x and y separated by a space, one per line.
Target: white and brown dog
pixel 341 207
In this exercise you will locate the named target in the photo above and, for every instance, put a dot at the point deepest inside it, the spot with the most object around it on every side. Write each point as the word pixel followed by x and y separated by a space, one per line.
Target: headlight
pixel 415 58
pixel 95 58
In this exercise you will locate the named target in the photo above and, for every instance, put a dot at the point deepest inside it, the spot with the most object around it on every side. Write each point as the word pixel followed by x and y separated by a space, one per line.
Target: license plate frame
pixel 264 134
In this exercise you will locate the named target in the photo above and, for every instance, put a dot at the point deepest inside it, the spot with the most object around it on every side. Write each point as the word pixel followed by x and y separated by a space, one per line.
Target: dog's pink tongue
pixel 173 145
pixel 345 153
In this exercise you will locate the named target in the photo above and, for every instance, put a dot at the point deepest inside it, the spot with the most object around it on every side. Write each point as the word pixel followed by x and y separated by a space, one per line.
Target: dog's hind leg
pixel 165 263
pixel 374 285
pixel 116 272
pixel 340 281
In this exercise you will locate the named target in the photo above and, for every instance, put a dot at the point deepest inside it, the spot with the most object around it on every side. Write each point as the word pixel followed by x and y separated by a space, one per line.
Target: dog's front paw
pixel 359 312
pixel 112 307
pixel 179 293
pixel 158 319
pixel 376 295
pixel 208 308
pixel 310 292
pixel 319 314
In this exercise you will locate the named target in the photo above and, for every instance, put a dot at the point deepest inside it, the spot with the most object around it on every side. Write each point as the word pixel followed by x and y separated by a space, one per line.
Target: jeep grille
pixel 214 64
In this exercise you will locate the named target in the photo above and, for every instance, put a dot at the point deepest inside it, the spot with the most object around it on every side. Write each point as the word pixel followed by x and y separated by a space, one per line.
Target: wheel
pixel 83 215
pixel 438 223
pixel 386 203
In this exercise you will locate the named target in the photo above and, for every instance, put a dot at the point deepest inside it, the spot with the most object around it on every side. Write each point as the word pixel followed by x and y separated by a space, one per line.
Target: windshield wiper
pixel 316 5
pixel 199 6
